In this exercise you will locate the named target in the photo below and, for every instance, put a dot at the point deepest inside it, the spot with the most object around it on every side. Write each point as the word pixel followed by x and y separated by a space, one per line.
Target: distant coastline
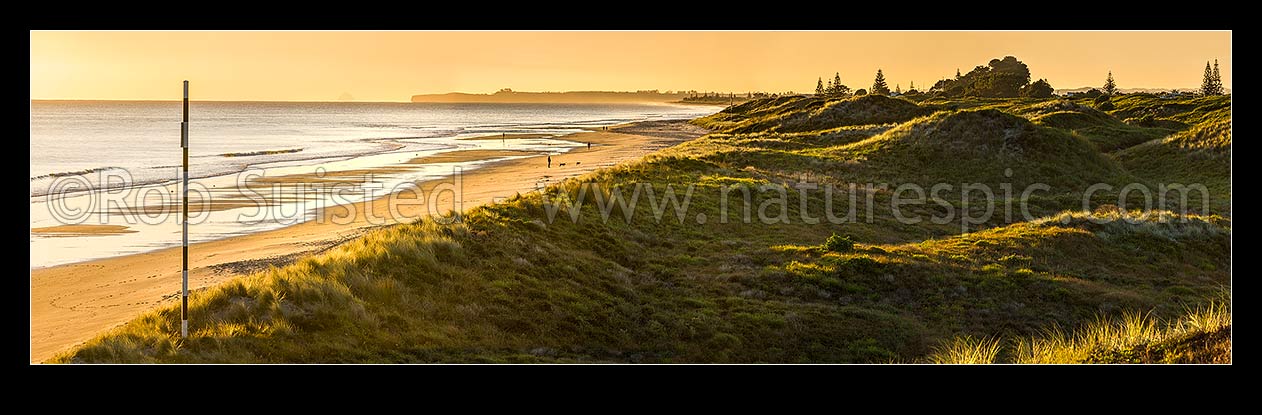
pixel 570 97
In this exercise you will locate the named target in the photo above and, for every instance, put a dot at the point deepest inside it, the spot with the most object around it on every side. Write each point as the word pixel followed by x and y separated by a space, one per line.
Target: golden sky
pixel 391 66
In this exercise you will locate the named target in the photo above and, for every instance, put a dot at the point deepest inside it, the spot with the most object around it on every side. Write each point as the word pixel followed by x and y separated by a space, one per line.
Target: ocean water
pixel 96 144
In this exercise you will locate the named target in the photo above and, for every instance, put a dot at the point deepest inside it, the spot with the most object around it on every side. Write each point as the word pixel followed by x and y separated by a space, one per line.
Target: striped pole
pixel 184 146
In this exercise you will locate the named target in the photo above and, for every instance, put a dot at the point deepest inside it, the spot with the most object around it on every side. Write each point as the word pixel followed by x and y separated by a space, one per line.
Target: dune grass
pixel 1201 335
pixel 506 284
pixel 967 351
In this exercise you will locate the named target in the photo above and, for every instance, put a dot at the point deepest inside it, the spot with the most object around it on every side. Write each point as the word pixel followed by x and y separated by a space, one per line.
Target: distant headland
pixel 509 96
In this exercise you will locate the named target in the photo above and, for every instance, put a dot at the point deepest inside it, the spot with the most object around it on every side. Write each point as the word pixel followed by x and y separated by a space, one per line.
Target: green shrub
pixel 836 243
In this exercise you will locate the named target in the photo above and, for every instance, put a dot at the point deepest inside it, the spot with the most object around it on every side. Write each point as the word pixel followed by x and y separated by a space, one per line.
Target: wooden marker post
pixel 184 145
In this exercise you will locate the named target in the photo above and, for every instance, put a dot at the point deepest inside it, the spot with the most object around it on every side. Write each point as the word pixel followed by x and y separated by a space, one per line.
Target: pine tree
pixel 831 87
pixel 957 73
pixel 1218 80
pixel 1207 83
pixel 819 86
pixel 878 85
pixel 912 87
pixel 837 83
pixel 1109 87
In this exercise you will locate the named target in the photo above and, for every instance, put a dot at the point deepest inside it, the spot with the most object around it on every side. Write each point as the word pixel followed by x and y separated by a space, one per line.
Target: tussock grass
pixel 1200 335
pixel 967 351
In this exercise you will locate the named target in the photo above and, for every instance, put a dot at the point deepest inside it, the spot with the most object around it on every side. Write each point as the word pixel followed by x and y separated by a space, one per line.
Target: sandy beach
pixel 74 302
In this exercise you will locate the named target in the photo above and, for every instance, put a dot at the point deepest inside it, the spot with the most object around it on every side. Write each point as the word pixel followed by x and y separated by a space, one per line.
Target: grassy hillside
pixel 1199 155
pixel 800 113
pixel 510 285
pixel 1102 130
pixel 976 146
pixel 1146 109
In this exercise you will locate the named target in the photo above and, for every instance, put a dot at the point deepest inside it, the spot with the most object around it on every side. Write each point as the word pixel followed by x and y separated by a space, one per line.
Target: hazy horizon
pixel 392 66
pixel 359 101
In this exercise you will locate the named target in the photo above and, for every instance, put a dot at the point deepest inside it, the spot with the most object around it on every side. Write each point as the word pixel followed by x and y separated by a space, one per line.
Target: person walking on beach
pixel 549 161
pixel 589 145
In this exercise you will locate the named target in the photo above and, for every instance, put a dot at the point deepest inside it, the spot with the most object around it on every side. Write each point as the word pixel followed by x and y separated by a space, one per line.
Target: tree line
pixel 1000 78
pixel 1007 77
pixel 837 89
